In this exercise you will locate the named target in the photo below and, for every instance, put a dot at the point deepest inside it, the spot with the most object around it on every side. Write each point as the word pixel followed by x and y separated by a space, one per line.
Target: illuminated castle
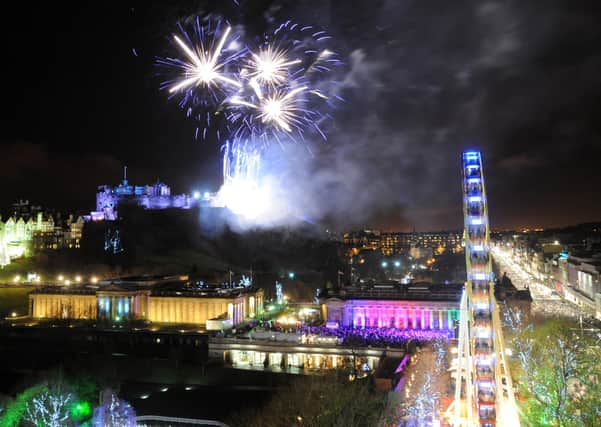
pixel 157 196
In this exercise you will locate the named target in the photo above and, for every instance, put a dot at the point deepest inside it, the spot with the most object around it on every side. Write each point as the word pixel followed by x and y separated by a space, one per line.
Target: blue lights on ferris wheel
pixel 471 155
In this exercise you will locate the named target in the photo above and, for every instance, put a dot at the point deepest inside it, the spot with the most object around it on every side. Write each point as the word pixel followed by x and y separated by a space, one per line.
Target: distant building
pixel 169 303
pixel 583 274
pixel 391 243
pixel 156 196
pixel 421 252
pixel 21 236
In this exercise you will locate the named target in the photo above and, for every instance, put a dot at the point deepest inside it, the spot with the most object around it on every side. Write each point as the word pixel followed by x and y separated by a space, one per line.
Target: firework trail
pixel 242 191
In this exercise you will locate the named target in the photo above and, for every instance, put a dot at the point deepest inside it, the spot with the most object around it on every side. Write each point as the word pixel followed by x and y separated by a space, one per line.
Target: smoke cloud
pixel 424 82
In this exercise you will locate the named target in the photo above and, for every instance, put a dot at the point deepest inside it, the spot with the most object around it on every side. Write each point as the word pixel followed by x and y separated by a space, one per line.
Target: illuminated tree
pixel 114 413
pixel 440 351
pixel 52 403
pixel 50 408
pixel 14 411
pixel 424 406
pixel 558 372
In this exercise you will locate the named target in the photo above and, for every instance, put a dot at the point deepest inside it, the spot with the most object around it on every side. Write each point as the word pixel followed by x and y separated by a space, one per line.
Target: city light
pixel 196 195
pixel 61 278
pixel 78 279
pixel 397 263
pixel 291 275
pixel 94 279
pixel 67 282
pixel 17 278
pixel 384 264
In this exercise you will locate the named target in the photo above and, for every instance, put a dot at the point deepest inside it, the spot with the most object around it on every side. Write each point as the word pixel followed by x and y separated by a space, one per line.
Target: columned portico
pixel 385 313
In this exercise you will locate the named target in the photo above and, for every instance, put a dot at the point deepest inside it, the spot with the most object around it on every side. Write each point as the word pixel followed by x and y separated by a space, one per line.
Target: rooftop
pixel 398 291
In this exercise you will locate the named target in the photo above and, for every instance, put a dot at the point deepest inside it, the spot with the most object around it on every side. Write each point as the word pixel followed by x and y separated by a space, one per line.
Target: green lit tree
pixel 14 411
pixel 54 402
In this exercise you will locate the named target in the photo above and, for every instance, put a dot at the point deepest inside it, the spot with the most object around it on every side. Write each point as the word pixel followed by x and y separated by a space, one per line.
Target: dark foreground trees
pixel 331 400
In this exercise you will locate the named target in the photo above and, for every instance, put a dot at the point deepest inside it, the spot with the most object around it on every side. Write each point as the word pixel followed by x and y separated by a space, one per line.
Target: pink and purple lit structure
pixel 396 307
pixel 421 315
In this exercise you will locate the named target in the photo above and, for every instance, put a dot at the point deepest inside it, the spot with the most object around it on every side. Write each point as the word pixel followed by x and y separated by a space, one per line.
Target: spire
pixel 125 175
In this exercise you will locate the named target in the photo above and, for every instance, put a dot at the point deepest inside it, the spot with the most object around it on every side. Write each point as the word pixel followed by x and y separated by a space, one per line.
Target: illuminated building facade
pixel 420 307
pixel 20 236
pixel 299 357
pixel 156 304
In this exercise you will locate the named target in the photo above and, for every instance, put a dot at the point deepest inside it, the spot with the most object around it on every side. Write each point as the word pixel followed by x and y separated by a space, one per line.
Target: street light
pixel 196 195
pixel 397 263
pixel 291 275
pixel 384 264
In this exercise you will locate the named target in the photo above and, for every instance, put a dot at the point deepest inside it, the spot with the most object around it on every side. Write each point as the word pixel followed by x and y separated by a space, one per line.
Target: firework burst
pixel 286 92
pixel 207 70
pixel 277 89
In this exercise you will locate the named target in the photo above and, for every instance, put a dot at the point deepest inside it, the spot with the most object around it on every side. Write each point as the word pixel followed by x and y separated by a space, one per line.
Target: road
pixel 546 301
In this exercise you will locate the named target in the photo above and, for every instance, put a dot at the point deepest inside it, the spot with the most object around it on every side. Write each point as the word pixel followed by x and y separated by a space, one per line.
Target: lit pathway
pixel 545 300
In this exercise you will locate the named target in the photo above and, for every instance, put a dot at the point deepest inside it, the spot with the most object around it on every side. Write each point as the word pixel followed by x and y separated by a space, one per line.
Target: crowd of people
pixel 376 337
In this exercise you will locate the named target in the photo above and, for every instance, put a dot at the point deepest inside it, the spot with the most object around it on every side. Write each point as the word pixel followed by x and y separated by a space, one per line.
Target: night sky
pixel 422 81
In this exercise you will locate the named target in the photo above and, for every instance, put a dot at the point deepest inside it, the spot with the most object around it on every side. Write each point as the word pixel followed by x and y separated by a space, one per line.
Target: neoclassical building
pixel 157 304
pixel 434 307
